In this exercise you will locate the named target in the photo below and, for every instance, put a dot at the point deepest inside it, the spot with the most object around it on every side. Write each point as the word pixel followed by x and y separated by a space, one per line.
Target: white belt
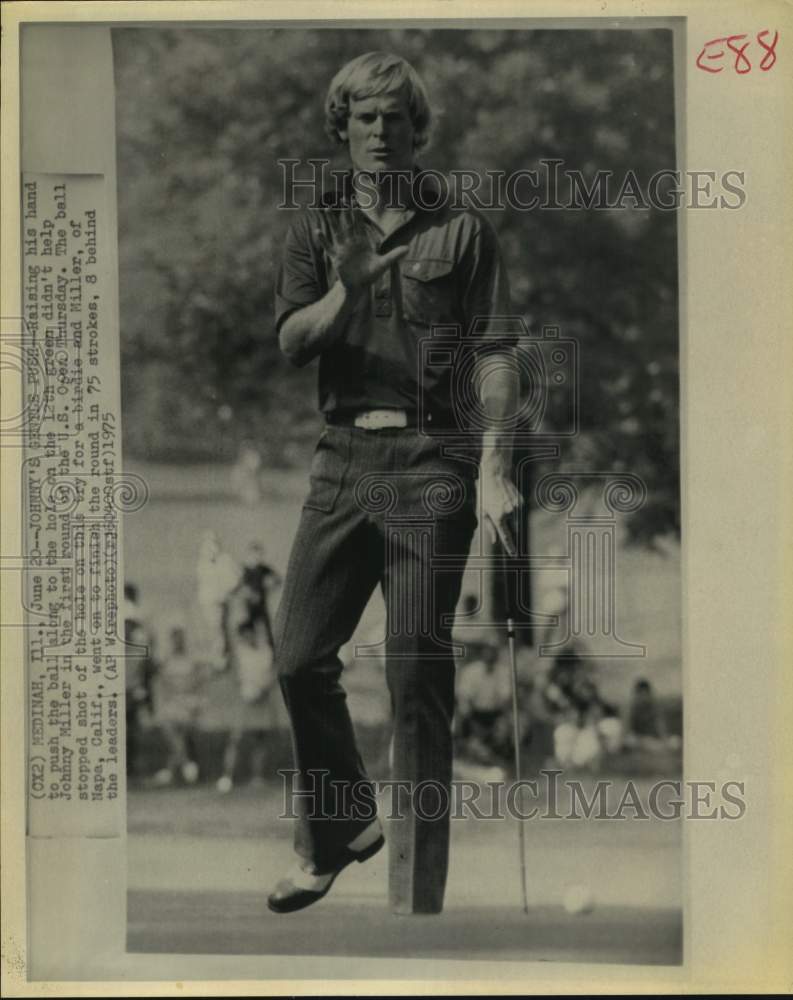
pixel 375 420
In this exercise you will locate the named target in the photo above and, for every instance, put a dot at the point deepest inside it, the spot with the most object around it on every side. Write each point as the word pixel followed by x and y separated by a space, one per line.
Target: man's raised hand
pixel 499 499
pixel 356 263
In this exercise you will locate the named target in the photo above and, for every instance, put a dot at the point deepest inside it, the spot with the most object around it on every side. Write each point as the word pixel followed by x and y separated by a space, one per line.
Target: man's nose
pixel 378 126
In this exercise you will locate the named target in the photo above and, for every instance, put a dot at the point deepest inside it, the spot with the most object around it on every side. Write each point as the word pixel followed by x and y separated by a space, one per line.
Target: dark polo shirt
pixel 452 277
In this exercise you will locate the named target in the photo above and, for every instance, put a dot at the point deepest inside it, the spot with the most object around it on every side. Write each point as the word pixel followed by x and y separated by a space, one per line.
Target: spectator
pixel 246 474
pixel 484 695
pixel 469 632
pixel 254 702
pixel 586 726
pixel 257 582
pixel 218 577
pixel 179 706
pixel 647 728
pixel 138 675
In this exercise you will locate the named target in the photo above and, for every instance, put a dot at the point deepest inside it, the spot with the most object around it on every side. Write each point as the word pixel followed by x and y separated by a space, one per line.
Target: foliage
pixel 205 114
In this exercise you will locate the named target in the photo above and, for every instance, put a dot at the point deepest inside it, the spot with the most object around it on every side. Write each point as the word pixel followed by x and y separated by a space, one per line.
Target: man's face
pixel 380 133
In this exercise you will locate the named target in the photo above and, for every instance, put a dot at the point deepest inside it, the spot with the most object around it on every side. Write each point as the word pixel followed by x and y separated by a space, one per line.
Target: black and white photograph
pixel 399 339
pixel 393 419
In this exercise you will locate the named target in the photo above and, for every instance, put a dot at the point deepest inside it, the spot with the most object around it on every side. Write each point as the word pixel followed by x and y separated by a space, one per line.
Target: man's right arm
pixel 307 332
pixel 312 321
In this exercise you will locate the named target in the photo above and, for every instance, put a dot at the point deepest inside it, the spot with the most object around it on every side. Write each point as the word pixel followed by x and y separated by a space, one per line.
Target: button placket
pixel 383 292
pixel 382 296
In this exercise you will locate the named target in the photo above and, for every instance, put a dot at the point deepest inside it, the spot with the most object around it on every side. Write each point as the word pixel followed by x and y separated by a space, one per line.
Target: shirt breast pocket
pixel 429 294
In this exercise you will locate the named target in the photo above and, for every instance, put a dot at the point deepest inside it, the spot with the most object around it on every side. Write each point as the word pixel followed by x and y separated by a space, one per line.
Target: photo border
pixel 732 687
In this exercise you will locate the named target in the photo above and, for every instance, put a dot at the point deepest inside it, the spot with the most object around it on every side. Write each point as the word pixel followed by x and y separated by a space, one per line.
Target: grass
pixel 161 548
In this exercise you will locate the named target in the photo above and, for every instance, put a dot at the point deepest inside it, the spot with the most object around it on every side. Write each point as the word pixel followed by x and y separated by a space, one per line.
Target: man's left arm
pixel 488 315
pixel 499 395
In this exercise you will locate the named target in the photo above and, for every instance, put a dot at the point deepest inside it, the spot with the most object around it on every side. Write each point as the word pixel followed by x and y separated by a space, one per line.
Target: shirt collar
pixel 433 189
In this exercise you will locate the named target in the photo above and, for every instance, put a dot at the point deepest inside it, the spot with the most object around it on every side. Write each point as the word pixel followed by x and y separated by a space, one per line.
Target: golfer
pixel 366 276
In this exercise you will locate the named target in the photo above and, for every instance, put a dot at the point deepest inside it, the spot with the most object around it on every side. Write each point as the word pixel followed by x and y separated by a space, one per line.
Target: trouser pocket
pixel 328 469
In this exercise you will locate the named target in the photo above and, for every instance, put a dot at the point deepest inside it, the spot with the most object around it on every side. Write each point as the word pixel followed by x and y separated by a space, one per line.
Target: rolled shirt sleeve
pixel 486 296
pixel 451 278
pixel 301 277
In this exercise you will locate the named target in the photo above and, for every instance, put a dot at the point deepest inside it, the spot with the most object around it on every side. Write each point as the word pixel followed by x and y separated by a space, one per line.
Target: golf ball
pixel 578 899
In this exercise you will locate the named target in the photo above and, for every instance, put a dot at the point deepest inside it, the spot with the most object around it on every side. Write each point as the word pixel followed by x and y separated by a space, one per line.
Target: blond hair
pixel 369 75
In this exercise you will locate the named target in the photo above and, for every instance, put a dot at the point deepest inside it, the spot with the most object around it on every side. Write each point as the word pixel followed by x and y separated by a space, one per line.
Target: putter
pixel 516 734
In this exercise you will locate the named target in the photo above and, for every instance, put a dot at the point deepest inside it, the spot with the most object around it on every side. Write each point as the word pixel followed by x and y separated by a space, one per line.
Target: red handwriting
pixel 713 52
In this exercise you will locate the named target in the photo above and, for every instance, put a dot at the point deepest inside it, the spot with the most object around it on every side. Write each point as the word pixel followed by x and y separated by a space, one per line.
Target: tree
pixel 204 115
